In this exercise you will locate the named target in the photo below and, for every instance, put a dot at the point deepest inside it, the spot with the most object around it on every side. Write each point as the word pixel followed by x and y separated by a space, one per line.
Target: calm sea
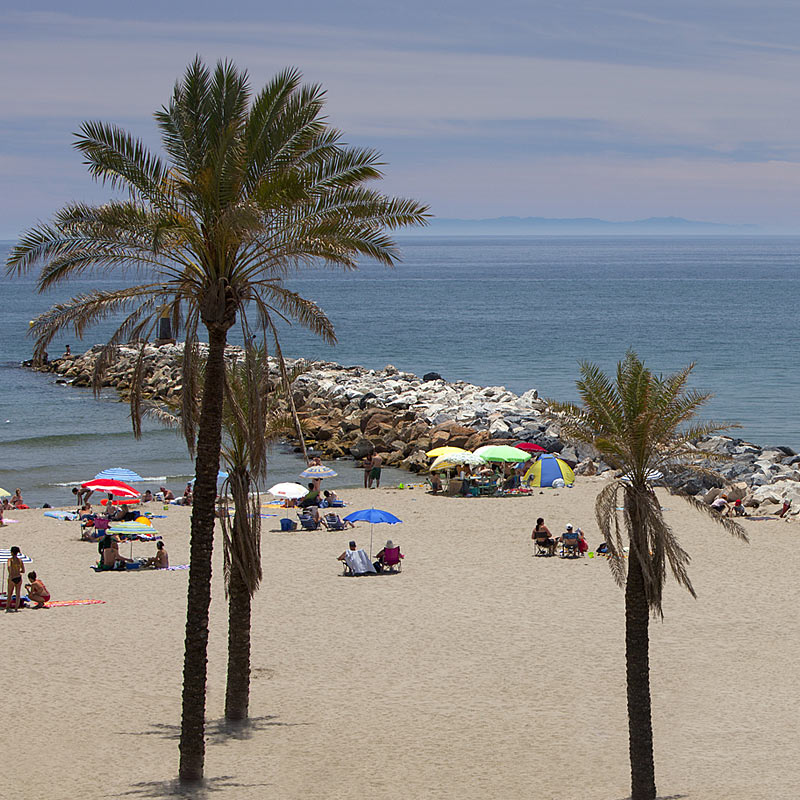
pixel 518 312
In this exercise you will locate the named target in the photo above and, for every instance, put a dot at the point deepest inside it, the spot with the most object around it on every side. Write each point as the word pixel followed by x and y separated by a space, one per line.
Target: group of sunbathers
pixel 572 541
pixel 111 558
pixel 16 502
pixel 37 591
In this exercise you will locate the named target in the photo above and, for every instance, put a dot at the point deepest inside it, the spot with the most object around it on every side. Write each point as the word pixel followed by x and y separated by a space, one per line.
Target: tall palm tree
pixel 641 423
pixel 251 188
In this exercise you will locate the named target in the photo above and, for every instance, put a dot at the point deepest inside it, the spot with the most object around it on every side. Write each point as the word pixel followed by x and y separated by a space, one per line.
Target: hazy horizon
pixel 564 110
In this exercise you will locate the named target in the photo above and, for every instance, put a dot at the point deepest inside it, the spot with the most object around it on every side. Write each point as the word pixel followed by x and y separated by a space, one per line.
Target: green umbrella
pixel 502 452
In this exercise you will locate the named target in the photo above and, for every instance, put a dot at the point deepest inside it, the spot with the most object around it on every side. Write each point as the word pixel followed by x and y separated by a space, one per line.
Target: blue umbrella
pixel 221 475
pixel 119 474
pixel 372 515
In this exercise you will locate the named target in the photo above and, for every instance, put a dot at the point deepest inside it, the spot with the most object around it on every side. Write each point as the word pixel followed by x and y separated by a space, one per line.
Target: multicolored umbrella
pixel 110 486
pixel 119 474
pixel 318 471
pixel 502 452
pixel 456 460
pixel 547 469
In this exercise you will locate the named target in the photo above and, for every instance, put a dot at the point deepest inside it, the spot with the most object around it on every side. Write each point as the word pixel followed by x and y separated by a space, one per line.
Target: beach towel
pixel 6 520
pixel 135 567
pixel 62 603
pixel 358 561
pixel 62 515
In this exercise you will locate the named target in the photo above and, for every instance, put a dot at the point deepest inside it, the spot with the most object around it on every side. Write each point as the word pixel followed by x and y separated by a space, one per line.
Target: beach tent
pixel 548 468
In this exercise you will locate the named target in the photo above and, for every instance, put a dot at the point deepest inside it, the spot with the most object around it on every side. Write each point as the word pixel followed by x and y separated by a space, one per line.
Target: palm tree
pixel 641 423
pixel 251 419
pixel 252 188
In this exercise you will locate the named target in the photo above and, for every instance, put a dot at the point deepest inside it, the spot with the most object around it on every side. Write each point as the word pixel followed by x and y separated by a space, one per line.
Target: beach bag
pixel 288 524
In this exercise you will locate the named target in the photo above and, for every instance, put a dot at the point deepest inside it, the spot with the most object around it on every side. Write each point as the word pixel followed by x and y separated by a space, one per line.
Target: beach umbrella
pixel 547 469
pixel 134 531
pixel 502 452
pixel 221 475
pixel 444 451
pixel 650 475
pixel 119 474
pixel 4 493
pixel 372 515
pixel 293 491
pixel 530 447
pixel 456 460
pixel 5 556
pixel 318 471
pixel 110 486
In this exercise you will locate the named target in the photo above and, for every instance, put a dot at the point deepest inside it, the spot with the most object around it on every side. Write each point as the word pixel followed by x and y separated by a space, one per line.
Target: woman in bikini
pixel 37 591
pixel 16 570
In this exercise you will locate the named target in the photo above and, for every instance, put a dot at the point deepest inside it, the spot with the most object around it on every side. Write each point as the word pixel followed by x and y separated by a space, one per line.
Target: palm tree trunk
pixel 209 437
pixel 237 693
pixel 637 659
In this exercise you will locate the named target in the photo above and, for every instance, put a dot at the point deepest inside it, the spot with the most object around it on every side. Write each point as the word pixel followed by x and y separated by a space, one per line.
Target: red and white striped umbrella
pixel 117 488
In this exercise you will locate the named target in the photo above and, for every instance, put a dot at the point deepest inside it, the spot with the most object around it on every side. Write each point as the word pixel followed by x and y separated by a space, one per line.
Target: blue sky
pixel 619 110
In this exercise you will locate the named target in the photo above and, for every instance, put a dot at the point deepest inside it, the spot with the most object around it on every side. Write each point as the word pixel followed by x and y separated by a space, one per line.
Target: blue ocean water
pixel 518 312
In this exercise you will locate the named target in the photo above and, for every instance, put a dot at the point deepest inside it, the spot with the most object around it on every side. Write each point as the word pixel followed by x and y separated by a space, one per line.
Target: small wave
pixel 152 479
pixel 59 439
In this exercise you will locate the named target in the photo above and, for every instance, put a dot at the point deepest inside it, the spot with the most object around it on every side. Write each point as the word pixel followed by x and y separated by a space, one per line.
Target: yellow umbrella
pixel 4 493
pixel 444 451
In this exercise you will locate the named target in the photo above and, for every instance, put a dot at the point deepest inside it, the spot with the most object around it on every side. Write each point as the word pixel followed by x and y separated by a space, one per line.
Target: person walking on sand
pixel 37 591
pixel 367 464
pixel 16 570
pixel 375 471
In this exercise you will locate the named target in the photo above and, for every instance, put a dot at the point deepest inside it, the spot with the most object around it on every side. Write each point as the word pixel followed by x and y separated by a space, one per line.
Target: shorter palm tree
pixel 641 423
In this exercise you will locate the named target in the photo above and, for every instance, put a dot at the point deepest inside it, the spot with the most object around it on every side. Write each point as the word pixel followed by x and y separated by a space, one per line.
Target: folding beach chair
pixel 391 561
pixel 307 522
pixel 333 522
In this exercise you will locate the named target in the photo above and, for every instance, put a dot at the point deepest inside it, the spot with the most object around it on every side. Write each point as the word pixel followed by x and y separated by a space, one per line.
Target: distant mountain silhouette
pixel 499 226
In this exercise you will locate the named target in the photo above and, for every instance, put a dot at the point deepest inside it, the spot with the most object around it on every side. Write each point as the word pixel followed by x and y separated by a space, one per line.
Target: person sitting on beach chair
pixel 389 558
pixel 333 522
pixel 543 539
pixel 309 521
pixel 356 561
pixel 570 543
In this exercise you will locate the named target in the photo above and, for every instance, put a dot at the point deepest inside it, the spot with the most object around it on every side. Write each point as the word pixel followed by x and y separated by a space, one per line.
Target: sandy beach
pixel 479 672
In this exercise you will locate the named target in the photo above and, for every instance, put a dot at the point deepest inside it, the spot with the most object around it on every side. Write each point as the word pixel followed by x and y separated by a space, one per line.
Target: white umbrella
pixel 455 460
pixel 294 491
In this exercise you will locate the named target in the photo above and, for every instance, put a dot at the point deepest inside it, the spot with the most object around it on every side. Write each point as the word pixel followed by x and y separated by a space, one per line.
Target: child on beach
pixel 16 570
pixel 37 591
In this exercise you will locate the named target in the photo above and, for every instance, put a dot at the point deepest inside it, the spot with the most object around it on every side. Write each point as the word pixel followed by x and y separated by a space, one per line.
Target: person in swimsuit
pixel 161 559
pixel 367 464
pixel 375 472
pixel 17 500
pixel 542 536
pixel 16 570
pixel 37 591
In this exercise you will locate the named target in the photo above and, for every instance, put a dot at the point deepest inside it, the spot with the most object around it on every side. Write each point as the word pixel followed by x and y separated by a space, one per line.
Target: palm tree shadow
pixel 218 731
pixel 174 789
pixel 665 797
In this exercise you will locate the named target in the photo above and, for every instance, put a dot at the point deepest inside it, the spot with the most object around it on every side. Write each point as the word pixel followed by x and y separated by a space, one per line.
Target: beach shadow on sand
pixel 218 731
pixel 174 788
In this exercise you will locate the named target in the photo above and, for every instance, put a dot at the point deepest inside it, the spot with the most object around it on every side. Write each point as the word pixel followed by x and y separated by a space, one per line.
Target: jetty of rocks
pixel 354 411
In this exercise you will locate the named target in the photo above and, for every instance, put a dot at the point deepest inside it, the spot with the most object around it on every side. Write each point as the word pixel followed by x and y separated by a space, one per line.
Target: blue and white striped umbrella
pixel 5 556
pixel 119 474
pixel 318 471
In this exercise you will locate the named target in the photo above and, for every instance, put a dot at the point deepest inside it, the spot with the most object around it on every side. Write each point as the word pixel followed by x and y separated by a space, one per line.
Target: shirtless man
pixel 161 558
pixel 375 471
pixel 81 495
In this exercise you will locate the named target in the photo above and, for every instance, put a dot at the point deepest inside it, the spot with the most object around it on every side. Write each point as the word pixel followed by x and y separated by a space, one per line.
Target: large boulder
pixel 459 435
pixel 372 420
pixel 362 448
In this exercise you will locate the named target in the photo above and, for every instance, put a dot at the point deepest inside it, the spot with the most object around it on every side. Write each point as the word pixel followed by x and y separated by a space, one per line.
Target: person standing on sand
pixel 16 570
pixel 375 471
pixel 367 464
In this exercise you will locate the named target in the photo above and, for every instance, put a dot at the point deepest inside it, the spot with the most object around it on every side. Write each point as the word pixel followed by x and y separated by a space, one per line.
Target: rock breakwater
pixel 353 412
